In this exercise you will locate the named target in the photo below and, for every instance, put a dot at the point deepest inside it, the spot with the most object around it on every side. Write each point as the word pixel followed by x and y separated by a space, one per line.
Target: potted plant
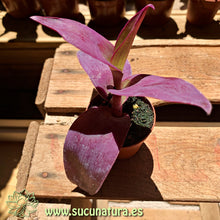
pixel 60 8
pixel 95 139
pixel 21 8
pixel 201 12
pixel 160 15
pixel 107 12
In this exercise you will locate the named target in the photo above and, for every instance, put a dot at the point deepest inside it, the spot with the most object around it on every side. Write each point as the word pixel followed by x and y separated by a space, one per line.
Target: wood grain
pixel 25 32
pixel 43 85
pixel 74 89
pixel 70 88
pixel 210 211
pixel 175 164
pixel 161 214
pixel 27 154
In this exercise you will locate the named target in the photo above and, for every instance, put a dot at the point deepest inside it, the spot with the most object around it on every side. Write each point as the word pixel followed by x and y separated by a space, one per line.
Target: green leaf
pixel 126 38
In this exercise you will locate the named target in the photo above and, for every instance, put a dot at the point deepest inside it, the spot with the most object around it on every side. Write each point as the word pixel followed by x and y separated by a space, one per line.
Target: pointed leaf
pixel 81 36
pixel 167 89
pixel 92 146
pixel 126 37
pixel 127 70
pixel 99 73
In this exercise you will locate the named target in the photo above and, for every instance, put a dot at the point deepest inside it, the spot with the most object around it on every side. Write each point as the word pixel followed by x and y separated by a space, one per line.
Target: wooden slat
pixel 210 211
pixel 27 154
pixel 70 88
pixel 44 211
pixel 43 85
pixel 175 29
pixel 81 203
pixel 178 164
pixel 161 214
pixel 74 85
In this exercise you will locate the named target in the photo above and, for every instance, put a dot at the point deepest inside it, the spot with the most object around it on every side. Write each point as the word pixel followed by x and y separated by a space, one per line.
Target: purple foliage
pixel 95 138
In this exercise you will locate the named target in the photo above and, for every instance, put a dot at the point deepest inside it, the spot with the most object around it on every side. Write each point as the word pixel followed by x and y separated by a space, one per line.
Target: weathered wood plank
pixel 162 214
pixel 70 88
pixel 27 154
pixel 176 28
pixel 43 85
pixel 176 163
pixel 210 211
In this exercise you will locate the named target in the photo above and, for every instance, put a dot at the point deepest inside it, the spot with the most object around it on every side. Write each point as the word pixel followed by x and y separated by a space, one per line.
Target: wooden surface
pixel 70 88
pixel 25 31
pixel 177 163
pixel 148 213
pixel 210 211
pixel 27 154
pixel 25 45
pixel 163 214
pixel 43 85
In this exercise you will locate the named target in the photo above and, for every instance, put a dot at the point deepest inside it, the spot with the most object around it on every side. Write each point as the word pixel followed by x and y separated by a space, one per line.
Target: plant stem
pixel 116 100
pixel 116 106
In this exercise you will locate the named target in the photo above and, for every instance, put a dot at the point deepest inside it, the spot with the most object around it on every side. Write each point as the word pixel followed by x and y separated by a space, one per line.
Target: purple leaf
pixel 99 73
pixel 92 146
pixel 84 38
pixel 81 36
pixel 167 89
pixel 127 70
pixel 126 37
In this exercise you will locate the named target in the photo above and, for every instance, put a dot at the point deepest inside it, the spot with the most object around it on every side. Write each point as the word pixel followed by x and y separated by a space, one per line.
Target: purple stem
pixel 116 106
pixel 116 100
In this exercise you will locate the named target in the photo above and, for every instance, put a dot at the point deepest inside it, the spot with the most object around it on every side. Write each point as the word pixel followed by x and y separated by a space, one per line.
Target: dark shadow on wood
pixel 167 31
pixel 109 32
pixel 10 155
pixel 181 112
pixel 130 179
pixel 211 31
pixel 25 28
pixel 2 7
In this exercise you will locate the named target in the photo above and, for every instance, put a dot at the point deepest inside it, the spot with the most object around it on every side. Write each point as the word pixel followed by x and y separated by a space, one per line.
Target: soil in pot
pixel 21 8
pixel 160 15
pixel 201 12
pixel 143 118
pixel 107 12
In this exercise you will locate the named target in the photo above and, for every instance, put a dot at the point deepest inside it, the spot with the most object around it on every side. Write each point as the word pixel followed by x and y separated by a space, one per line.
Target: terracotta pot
pixel 60 8
pixel 131 150
pixel 107 13
pixel 201 12
pixel 160 15
pixel 21 8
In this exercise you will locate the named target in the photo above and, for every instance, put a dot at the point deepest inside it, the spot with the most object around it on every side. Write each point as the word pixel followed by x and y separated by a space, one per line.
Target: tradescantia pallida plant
pixel 93 141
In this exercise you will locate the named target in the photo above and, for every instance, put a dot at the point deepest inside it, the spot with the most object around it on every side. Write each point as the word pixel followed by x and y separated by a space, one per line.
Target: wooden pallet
pixel 70 89
pixel 168 167
pixel 179 161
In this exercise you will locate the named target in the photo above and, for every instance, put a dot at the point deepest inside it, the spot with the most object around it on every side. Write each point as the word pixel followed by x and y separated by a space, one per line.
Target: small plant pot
pixel 21 8
pixel 60 8
pixel 160 15
pixel 201 12
pixel 107 13
pixel 137 132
